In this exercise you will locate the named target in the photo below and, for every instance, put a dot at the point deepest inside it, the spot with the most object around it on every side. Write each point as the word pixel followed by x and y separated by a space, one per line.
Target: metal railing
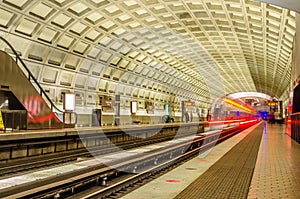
pixel 39 88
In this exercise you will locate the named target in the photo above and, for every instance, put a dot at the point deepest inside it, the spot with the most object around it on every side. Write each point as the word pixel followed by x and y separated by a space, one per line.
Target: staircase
pixel 41 111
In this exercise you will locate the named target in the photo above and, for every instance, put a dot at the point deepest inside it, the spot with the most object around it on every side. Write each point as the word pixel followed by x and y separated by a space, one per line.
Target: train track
pixel 122 187
pixel 70 156
pixel 125 174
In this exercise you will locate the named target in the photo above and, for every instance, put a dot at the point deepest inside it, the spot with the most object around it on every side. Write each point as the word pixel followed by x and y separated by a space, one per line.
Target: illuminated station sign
pixel 273 103
pixel 189 103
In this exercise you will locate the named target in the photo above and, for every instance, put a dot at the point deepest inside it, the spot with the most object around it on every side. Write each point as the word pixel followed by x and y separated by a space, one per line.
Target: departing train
pixel 231 112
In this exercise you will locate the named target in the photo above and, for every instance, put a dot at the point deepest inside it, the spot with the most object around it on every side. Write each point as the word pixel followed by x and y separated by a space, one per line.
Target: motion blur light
pixel 237 105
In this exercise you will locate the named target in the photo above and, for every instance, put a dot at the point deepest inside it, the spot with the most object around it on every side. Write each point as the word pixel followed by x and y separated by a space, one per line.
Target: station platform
pixel 48 133
pixel 260 162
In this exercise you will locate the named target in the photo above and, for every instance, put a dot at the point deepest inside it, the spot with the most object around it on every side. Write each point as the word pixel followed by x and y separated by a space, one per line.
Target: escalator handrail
pixel 42 91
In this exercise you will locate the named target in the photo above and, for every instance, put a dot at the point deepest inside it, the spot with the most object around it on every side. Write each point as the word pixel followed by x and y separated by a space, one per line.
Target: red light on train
pixel 226 121
pixel 248 121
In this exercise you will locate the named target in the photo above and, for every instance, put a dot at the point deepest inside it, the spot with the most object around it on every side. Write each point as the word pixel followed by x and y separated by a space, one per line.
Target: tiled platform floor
pixel 277 169
pixel 231 175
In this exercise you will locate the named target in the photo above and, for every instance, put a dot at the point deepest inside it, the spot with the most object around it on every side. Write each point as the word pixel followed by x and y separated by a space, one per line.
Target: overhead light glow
pixel 249 94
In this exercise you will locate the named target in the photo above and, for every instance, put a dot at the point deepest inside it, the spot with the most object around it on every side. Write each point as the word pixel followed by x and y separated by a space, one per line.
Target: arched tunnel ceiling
pixel 289 4
pixel 202 47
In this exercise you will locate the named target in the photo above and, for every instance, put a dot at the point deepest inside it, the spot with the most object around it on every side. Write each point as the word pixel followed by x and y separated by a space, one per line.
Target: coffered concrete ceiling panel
pixel 195 48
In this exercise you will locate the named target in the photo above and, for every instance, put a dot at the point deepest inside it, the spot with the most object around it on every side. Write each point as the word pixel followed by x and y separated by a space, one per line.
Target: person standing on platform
pixel 187 118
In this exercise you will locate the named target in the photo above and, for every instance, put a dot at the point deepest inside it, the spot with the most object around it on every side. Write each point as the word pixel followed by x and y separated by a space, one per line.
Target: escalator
pixel 16 85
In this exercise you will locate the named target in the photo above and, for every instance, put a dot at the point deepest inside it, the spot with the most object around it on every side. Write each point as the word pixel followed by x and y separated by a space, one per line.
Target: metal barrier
pixel 295 127
pixel 70 117
pixel 14 119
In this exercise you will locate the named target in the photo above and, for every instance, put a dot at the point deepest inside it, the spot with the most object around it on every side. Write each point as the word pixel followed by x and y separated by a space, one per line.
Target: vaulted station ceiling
pixel 193 49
